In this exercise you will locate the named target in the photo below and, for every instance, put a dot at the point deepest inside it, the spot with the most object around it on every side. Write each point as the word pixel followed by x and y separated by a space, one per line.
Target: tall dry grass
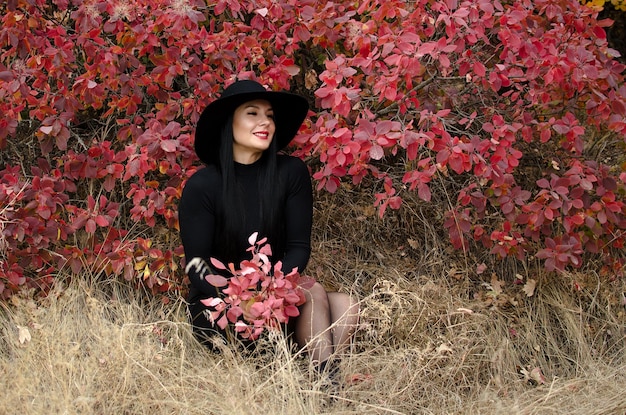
pixel 434 339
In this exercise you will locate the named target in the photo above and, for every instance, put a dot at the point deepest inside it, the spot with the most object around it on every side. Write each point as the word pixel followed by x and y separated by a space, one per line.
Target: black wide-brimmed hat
pixel 289 109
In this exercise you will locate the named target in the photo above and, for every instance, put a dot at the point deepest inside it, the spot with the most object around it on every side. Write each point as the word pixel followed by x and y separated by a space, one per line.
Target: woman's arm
pixel 196 217
pixel 298 214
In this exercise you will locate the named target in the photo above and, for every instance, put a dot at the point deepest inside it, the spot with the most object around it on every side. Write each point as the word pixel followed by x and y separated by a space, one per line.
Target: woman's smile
pixel 263 135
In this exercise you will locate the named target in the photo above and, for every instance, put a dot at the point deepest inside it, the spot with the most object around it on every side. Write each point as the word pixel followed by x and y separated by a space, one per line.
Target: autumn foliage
pixel 510 116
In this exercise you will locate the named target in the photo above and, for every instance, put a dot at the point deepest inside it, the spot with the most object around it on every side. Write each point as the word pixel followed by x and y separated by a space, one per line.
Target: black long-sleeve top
pixel 197 216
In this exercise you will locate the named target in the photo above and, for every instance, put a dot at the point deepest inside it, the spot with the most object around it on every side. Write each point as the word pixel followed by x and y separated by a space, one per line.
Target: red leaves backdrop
pixel 511 105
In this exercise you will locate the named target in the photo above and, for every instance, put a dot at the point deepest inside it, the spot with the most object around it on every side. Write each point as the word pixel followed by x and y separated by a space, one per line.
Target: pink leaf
pixel 46 129
pixel 257 309
pixel 252 238
pixel 376 152
pixel 293 70
pixel 306 282
pixel 216 280
pixel 292 311
pixel 222 322
pixel 423 191
pixel 217 263
pixel 332 184
pixel 233 314
pixel 169 146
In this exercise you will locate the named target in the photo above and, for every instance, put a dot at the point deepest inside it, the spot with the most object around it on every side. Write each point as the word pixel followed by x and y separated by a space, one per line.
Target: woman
pixel 247 187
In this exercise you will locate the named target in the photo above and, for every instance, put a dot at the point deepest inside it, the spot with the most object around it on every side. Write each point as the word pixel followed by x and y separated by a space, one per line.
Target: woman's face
pixel 253 130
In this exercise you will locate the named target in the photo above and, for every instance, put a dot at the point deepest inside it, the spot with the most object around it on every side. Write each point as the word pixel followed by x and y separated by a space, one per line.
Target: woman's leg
pixel 326 322
pixel 344 312
pixel 312 325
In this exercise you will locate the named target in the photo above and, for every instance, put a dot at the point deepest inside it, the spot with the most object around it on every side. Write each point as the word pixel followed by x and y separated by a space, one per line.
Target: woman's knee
pixel 317 294
pixel 344 305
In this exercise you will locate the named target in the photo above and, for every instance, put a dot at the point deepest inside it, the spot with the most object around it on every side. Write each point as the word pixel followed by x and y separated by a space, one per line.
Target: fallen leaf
pixel 444 349
pixel 23 334
pixel 538 376
pixel 529 287
pixel 310 80
pixel 496 284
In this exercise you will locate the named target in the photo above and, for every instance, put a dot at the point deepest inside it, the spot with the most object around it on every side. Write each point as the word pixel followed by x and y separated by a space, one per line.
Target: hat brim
pixel 289 109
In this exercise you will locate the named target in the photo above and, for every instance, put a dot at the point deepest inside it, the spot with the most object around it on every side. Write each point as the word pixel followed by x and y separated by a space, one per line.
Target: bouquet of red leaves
pixel 258 295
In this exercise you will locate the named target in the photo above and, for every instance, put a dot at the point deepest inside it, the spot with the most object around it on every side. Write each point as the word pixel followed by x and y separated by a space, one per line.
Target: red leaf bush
pixel 516 109
pixel 258 295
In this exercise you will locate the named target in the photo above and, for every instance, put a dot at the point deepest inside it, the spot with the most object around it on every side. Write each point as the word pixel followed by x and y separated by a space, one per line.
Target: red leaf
pixel 102 221
pixel 90 226
pixel 456 164
pixel 423 191
pixel 301 33
pixel 6 76
pixel 332 184
pixel 395 202
pixel 479 69
pixel 618 107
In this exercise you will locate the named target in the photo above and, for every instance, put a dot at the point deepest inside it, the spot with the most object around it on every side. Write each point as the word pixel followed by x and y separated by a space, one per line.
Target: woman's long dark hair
pixel 231 211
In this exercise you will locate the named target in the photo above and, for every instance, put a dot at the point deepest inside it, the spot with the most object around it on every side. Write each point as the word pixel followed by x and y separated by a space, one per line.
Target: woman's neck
pixel 247 157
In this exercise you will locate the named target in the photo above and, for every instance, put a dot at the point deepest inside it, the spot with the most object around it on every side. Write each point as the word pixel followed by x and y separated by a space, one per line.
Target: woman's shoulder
pixel 291 164
pixel 294 172
pixel 203 178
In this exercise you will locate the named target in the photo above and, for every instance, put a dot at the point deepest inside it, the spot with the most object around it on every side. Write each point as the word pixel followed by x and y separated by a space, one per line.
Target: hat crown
pixel 242 87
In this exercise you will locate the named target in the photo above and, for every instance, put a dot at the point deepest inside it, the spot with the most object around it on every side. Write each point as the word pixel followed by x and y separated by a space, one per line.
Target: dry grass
pixel 434 338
